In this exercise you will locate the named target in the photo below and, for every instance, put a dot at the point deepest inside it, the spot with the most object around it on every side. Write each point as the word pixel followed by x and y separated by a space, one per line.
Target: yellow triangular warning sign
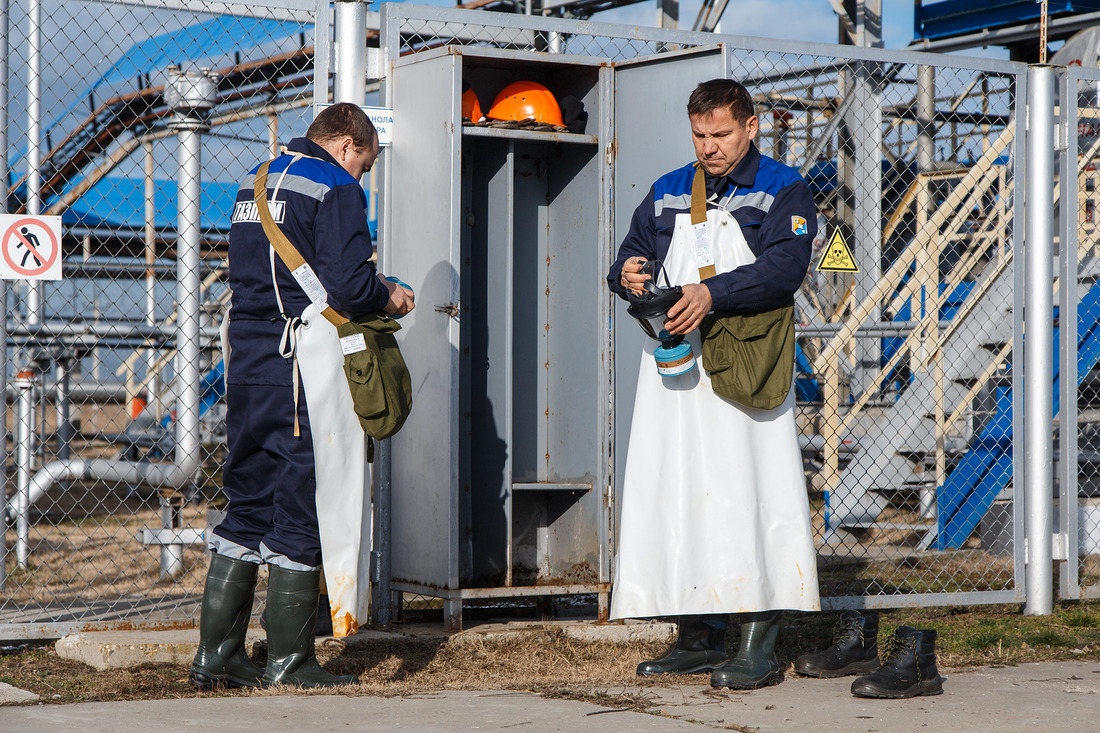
pixel 837 257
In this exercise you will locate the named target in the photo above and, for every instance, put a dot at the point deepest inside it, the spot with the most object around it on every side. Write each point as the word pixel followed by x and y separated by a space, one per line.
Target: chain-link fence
pixel 908 403
pixel 904 371
pixel 134 125
pixel 1077 516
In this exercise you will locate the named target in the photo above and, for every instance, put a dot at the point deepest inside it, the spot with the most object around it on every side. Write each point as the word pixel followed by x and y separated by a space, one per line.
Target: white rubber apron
pixel 715 517
pixel 343 474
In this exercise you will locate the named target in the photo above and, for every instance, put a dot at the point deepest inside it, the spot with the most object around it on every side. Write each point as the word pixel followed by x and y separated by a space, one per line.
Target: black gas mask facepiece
pixel 650 310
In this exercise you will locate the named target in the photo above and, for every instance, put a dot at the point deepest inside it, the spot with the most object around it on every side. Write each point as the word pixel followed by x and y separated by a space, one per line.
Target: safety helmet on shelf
pixel 471 108
pixel 526 100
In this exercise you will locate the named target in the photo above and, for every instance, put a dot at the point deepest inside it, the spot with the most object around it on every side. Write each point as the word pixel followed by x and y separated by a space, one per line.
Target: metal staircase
pixel 948 436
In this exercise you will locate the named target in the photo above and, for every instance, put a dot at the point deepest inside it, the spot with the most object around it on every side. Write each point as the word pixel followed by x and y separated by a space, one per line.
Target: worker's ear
pixel 346 147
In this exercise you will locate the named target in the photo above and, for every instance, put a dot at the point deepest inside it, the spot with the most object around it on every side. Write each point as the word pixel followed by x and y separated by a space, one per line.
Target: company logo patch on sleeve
pixel 798 225
pixel 246 211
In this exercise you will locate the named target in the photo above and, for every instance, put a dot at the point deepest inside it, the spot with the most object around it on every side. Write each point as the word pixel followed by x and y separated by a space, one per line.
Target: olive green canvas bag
pixel 381 388
pixel 748 357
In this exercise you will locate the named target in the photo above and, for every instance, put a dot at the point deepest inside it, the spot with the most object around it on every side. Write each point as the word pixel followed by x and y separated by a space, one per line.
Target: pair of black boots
pixel 700 647
pixel 292 600
pixel 908 668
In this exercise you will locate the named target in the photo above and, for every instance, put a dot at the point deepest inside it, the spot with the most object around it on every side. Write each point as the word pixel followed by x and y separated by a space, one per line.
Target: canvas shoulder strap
pixel 699 214
pixel 288 253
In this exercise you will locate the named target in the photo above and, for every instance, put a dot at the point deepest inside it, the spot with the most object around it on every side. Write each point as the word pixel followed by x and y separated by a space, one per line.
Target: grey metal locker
pixel 501 475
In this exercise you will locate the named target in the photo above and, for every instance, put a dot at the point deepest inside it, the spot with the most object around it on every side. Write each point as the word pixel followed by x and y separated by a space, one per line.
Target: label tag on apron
pixel 353 344
pixel 703 254
pixel 313 288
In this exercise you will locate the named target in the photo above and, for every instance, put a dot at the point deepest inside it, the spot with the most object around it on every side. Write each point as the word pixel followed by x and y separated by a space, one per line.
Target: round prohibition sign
pixel 25 234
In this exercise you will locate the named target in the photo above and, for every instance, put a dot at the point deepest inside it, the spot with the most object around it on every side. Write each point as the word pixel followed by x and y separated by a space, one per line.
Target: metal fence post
pixel 34 140
pixel 1038 342
pixel 4 16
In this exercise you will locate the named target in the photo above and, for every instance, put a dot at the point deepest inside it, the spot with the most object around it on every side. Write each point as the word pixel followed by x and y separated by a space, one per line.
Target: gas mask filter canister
pixel 674 355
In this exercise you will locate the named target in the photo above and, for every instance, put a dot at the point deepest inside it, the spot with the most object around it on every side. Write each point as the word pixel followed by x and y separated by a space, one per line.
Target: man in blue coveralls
pixel 316 200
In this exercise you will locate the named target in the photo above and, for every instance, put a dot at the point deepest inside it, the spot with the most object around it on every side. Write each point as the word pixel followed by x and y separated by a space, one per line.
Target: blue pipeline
pixel 211 391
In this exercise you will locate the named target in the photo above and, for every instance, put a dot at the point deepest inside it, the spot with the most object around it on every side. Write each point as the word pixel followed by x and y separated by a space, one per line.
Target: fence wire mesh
pixel 904 377
pixel 103 363
pixel 1079 424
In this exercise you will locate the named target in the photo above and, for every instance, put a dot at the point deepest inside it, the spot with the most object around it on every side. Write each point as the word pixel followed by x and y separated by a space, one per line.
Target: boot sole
pixel 691 670
pixel 207 683
pixel 772 679
pixel 916 690
pixel 846 671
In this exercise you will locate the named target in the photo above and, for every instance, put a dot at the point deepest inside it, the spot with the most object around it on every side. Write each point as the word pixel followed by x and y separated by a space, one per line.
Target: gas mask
pixel 674 356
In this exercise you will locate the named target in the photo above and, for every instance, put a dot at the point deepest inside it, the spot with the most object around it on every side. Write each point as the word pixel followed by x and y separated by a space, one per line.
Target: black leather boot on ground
pixel 908 668
pixel 700 647
pixel 226 608
pixel 292 598
pixel 755 664
pixel 854 649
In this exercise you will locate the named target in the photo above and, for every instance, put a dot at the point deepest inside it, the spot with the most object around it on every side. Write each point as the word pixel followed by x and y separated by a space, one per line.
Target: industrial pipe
pixel 191 95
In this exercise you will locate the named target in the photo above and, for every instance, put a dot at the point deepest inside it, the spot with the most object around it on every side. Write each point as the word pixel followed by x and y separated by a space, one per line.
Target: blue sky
pixel 795 20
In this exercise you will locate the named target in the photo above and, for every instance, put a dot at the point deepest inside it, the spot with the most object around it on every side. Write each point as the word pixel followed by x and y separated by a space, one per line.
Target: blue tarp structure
pixel 117 203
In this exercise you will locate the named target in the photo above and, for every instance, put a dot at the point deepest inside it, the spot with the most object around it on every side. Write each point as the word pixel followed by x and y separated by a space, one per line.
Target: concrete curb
pixel 9 694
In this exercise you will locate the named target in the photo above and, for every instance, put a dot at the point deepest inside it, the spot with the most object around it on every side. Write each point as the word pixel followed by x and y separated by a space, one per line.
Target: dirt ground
pixel 553 664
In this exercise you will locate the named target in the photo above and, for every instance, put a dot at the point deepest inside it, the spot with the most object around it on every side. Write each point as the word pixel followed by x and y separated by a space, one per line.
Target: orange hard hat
pixel 526 100
pixel 471 108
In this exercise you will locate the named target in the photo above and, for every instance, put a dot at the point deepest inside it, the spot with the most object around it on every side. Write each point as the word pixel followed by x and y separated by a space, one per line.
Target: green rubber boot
pixel 226 608
pixel 699 648
pixel 755 664
pixel 292 599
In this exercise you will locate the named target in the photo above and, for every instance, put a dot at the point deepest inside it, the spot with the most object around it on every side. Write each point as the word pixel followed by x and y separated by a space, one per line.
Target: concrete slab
pixel 124 649
pixel 9 694
pixel 629 632
pixel 444 712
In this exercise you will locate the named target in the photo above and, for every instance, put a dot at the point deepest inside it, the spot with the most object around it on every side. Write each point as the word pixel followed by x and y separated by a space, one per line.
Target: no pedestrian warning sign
pixel 837 257
pixel 31 247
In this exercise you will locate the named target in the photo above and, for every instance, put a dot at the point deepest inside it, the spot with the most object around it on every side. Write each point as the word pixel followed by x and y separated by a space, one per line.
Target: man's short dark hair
pixel 343 119
pixel 718 93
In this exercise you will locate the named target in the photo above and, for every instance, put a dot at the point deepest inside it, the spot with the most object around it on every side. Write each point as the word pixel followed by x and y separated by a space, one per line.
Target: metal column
pixel 3 283
pixel 926 112
pixel 34 140
pixel 350 49
pixel 1038 342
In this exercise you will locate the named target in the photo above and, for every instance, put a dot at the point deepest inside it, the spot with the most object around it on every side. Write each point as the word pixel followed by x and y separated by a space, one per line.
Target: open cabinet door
pixel 652 137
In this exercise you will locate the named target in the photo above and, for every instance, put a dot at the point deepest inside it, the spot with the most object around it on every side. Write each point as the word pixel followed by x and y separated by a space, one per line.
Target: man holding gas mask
pixel 715 523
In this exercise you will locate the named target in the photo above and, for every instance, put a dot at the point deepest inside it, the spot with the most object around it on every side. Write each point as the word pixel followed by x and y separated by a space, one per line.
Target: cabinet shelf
pixel 505 133
pixel 542 486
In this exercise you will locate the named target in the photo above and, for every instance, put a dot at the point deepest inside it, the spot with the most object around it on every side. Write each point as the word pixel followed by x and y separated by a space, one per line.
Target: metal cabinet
pixel 502 479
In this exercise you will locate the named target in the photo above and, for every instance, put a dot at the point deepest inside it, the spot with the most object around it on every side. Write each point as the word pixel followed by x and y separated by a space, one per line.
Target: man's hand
pixel 631 277
pixel 401 300
pixel 687 314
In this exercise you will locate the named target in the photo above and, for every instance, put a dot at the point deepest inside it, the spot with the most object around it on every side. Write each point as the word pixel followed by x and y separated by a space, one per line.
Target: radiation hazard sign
pixel 30 247
pixel 837 257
